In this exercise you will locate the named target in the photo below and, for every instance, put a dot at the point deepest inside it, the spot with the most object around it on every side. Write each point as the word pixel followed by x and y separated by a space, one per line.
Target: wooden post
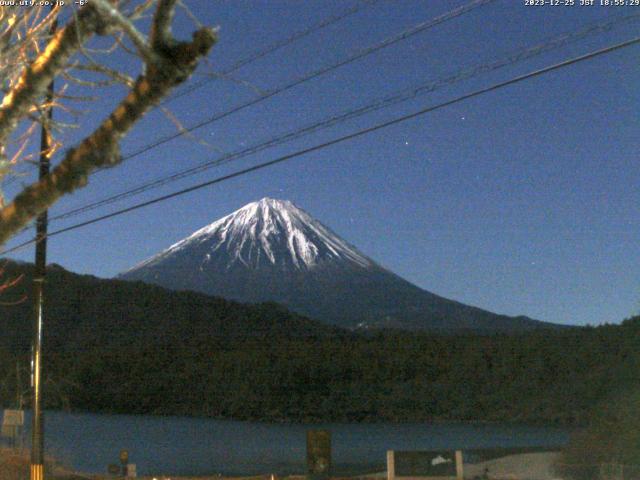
pixel 391 468
pixel 318 454
pixel 459 465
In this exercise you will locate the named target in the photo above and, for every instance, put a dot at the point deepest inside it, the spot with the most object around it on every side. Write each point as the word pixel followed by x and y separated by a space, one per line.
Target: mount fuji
pixel 271 250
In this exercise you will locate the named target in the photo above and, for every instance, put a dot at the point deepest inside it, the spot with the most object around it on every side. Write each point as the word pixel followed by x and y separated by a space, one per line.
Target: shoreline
pixel 314 423
pixel 532 466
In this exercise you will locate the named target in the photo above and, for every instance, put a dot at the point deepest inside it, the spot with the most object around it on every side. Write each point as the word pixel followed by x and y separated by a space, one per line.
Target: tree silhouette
pixel 31 58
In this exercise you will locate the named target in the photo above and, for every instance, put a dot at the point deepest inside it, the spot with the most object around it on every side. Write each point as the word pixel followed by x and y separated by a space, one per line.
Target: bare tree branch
pixel 37 76
pixel 8 283
pixel 167 62
pixel 161 29
pixel 138 39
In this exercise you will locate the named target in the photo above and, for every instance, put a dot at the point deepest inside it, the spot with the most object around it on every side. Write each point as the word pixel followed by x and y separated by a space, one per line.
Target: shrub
pixel 612 436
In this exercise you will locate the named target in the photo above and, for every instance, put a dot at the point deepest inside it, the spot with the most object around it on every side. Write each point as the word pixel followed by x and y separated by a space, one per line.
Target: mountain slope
pixel 83 311
pixel 271 250
pixel 131 348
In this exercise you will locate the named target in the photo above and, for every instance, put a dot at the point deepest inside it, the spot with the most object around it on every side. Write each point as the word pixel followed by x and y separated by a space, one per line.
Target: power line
pixel 359 133
pixel 421 27
pixel 360 54
pixel 404 95
pixel 259 54
pixel 452 14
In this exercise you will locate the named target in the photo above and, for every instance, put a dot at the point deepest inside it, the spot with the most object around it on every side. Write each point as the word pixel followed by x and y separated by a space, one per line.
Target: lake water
pixel 197 446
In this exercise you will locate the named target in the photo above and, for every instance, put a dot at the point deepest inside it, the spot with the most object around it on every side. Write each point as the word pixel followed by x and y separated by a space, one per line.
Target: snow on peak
pixel 269 231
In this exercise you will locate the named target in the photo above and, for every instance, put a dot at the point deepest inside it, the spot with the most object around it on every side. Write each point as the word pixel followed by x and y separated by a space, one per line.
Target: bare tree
pixel 31 57
pixel 8 282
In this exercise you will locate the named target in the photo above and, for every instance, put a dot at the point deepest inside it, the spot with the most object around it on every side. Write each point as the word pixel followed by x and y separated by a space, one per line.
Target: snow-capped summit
pixel 271 250
pixel 265 234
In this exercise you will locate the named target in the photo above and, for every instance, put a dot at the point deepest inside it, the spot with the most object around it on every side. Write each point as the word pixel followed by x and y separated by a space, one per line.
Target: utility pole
pixel 37 423
pixel 18 387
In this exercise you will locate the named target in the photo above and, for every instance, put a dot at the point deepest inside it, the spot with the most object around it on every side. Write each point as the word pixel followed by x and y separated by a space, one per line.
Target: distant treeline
pixel 119 347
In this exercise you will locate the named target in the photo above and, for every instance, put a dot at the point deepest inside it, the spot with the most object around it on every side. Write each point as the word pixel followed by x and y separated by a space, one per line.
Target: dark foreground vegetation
pixel 113 346
pixel 609 443
pixel 15 465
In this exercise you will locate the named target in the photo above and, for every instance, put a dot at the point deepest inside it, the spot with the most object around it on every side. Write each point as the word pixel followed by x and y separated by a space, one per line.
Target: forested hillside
pixel 120 347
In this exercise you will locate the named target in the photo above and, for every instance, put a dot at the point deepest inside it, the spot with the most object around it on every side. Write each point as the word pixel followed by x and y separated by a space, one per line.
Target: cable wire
pixel 384 102
pixel 359 133
pixel 259 54
pixel 419 28
pixel 416 29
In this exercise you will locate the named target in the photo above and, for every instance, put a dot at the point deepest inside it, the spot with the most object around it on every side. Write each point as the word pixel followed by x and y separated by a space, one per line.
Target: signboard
pixel 318 453
pixel 413 465
pixel 13 418
pixel 131 470
pixel 12 422
pixel 10 431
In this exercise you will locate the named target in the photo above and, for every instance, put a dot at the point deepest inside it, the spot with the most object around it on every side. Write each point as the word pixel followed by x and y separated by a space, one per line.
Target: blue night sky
pixel 521 201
